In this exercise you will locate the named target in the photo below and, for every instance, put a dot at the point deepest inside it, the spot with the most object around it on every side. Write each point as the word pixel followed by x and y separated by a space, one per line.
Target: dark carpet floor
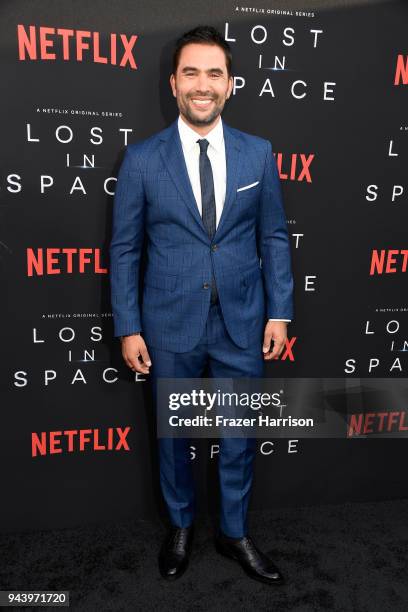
pixel 349 557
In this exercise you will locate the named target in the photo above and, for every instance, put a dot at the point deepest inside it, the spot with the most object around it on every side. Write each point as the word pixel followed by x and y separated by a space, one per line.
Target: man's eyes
pixel 212 74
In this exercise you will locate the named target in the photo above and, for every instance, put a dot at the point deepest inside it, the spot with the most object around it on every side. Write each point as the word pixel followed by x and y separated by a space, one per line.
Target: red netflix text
pixel 376 422
pixel 42 262
pixel 49 44
pixel 296 168
pixel 388 261
pixel 78 440
pixel 401 70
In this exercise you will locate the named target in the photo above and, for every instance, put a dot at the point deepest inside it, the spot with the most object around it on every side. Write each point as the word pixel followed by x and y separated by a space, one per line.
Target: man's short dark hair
pixel 205 35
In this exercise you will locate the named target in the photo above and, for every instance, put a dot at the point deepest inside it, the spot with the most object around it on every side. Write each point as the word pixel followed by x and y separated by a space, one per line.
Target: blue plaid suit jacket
pixel 249 254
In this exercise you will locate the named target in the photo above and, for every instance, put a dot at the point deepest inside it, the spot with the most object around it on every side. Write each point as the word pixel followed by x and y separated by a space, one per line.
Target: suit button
pixel 214 247
pixel 206 285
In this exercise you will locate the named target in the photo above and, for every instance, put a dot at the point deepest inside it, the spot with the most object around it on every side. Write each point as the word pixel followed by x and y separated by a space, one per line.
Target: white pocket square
pixel 248 186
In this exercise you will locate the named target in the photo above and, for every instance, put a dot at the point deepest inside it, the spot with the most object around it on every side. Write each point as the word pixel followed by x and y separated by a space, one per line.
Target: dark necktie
pixel 207 201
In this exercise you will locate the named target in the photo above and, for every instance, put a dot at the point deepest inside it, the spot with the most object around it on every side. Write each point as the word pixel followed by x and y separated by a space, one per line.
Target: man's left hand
pixel 275 331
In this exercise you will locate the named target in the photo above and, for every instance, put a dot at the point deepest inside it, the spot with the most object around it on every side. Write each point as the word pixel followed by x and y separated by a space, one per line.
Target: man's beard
pixel 198 120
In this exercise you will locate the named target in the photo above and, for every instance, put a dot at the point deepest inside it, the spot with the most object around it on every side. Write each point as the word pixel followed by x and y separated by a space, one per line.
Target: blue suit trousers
pixel 225 359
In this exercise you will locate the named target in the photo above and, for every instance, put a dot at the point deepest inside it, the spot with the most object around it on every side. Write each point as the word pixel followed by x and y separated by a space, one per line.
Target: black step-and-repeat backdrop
pixel 80 80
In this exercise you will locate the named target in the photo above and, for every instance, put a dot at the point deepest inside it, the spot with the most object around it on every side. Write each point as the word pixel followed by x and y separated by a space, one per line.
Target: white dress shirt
pixel 216 155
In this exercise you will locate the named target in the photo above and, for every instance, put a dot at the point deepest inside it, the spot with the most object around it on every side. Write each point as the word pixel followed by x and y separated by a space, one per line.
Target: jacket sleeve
pixel 126 246
pixel 273 244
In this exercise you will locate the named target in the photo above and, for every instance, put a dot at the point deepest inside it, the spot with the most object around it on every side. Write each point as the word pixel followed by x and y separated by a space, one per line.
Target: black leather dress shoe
pixel 175 552
pixel 254 562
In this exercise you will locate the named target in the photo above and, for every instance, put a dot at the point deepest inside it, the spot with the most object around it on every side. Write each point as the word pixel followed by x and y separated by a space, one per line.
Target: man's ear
pixel 231 85
pixel 173 84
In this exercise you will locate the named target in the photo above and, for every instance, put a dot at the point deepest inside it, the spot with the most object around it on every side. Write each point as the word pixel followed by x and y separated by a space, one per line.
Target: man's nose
pixel 202 84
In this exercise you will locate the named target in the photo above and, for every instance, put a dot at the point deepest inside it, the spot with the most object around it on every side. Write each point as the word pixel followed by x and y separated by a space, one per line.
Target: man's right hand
pixel 135 354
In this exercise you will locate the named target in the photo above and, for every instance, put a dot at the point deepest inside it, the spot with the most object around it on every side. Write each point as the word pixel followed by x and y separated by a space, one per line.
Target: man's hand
pixel 134 348
pixel 276 331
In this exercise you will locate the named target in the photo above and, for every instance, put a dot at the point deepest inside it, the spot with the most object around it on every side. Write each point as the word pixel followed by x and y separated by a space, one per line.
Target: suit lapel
pixel 233 158
pixel 172 153
pixel 173 157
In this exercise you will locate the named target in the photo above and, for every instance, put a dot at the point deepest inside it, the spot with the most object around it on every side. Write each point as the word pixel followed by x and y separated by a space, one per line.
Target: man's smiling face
pixel 201 84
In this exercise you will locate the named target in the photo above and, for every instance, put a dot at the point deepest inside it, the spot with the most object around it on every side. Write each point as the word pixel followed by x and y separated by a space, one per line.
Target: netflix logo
pixel 287 353
pixel 50 44
pixel 377 422
pixel 401 70
pixel 295 167
pixel 42 262
pixel 79 440
pixel 388 261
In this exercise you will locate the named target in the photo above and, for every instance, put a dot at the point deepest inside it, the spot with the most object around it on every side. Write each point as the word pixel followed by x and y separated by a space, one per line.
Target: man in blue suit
pixel 218 287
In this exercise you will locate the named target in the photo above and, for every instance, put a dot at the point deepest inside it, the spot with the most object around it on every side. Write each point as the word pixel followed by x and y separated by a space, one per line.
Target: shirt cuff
pixel 288 320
